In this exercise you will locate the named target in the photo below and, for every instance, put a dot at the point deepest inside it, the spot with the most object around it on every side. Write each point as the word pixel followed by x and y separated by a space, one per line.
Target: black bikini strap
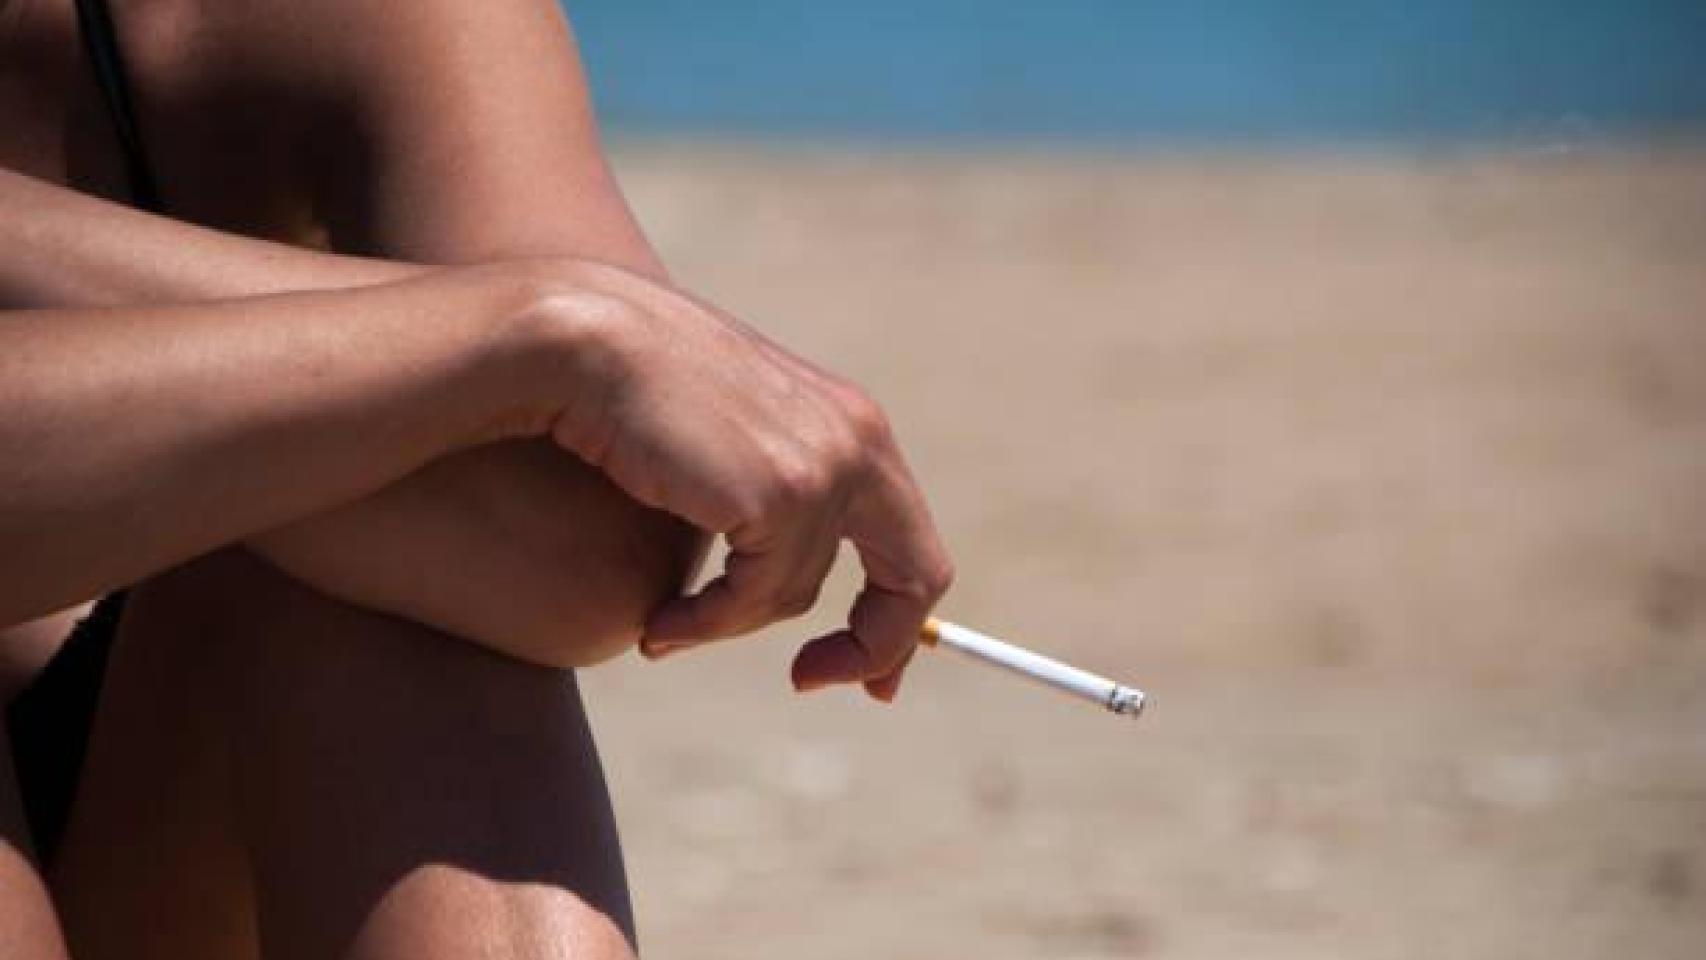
pixel 101 40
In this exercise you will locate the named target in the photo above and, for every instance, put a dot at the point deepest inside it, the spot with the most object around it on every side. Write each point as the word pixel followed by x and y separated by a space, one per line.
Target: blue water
pixel 1170 71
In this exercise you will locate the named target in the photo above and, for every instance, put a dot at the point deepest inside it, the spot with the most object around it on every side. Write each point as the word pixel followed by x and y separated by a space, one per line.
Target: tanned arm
pixel 470 137
pixel 66 249
pixel 132 439
pixel 694 414
pixel 473 137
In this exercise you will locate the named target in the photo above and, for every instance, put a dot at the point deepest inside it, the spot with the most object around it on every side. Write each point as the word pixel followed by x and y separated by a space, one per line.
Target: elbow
pixel 604 613
pixel 570 630
pixel 587 628
pixel 585 636
pixel 582 648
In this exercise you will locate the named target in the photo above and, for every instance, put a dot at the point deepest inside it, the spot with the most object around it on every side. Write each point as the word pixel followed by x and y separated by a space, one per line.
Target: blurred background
pixel 1334 370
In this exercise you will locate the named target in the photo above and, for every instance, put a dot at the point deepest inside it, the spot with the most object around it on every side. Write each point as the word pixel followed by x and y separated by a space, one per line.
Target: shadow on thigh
pixel 28 929
pixel 273 769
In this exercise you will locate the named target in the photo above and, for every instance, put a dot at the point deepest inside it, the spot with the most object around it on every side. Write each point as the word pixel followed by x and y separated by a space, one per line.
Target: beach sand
pixel 1384 473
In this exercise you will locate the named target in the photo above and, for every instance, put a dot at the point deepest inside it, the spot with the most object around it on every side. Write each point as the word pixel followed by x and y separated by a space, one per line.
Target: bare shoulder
pixel 351 45
pixel 431 130
pixel 258 113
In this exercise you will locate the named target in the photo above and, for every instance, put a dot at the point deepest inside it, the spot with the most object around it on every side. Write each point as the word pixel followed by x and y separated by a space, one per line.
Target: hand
pixel 692 412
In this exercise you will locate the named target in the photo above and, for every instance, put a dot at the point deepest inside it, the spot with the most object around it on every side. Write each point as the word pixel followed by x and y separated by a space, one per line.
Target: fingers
pixel 719 608
pixel 764 580
pixel 769 578
pixel 834 473
pixel 836 658
pixel 887 686
pixel 841 658
pixel 784 541
pixel 874 649
pixel 906 572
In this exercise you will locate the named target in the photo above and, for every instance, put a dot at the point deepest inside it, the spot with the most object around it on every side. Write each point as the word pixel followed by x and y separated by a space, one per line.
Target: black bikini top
pixel 100 40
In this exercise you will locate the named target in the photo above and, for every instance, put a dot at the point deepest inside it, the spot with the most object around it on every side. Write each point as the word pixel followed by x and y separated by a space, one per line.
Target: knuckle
pixel 738 613
pixel 844 450
pixel 916 589
pixel 839 464
pixel 869 424
pixel 929 582
pixel 797 602
pixel 888 659
pixel 800 479
pixel 940 578
pixel 742 510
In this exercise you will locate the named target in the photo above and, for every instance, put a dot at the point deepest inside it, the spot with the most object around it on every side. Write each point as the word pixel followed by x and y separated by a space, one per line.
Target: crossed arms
pixel 466 156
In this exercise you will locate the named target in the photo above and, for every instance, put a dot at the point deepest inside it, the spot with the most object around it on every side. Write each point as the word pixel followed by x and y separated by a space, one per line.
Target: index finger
pixel 753 590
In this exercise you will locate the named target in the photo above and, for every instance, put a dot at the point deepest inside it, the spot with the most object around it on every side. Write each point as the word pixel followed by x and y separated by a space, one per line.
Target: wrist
pixel 557 348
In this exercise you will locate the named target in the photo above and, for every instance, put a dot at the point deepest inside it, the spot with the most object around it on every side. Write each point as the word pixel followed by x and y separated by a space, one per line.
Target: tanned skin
pixel 324 779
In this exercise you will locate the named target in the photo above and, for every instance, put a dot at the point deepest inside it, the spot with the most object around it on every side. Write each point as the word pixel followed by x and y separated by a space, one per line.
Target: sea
pixel 1215 72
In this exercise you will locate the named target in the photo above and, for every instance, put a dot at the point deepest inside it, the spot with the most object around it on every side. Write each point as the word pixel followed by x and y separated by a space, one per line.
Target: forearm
pixel 516 546
pixel 410 550
pixel 66 249
pixel 133 439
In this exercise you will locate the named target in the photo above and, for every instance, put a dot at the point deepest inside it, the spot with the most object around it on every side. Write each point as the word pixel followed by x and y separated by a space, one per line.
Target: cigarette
pixel 1083 684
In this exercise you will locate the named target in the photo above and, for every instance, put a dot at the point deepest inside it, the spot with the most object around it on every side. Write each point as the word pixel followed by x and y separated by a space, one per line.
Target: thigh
pixel 273 767
pixel 28 930
pixel 151 864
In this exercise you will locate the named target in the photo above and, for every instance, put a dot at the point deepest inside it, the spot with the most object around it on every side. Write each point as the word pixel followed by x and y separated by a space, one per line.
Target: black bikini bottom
pixel 50 720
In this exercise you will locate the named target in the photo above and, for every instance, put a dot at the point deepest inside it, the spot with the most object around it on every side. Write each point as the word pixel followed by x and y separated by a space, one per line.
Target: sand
pixel 1384 473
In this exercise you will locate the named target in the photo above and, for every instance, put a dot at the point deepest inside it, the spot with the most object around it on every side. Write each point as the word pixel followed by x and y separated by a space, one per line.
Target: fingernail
pixel 807 686
pixel 658 649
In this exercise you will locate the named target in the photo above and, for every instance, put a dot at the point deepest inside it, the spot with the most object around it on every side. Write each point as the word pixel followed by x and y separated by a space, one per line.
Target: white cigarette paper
pixel 1047 671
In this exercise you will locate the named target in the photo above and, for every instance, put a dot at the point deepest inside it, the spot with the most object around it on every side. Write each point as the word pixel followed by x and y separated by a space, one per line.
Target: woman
pixel 336 762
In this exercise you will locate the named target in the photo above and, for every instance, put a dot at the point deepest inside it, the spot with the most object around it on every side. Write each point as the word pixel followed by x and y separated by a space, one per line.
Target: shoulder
pixel 342 42
pixel 342 67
